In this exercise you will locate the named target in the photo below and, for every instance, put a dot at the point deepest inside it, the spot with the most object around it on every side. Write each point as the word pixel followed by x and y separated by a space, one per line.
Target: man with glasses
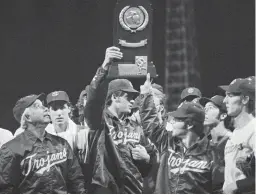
pixel 240 103
pixel 36 161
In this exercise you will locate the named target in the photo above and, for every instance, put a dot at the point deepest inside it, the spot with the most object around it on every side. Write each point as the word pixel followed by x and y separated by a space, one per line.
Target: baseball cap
pixel 217 100
pixel 122 85
pixel 190 91
pixel 239 85
pixel 57 95
pixel 189 110
pixel 158 87
pixel 24 103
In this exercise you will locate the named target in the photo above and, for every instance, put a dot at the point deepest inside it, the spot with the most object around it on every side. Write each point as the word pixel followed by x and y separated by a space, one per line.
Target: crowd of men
pixel 124 140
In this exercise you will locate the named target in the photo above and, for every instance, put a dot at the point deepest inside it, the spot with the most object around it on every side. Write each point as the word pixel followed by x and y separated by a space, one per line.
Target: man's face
pixel 179 127
pixel 59 112
pixel 124 103
pixel 39 113
pixel 211 114
pixel 234 104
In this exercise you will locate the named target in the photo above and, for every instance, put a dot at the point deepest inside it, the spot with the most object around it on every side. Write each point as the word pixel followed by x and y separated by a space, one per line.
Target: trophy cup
pixel 133 35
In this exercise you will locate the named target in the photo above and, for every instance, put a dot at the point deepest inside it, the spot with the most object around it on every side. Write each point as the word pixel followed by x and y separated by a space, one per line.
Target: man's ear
pixel 27 117
pixel 114 98
pixel 161 107
pixel 69 109
pixel 223 116
pixel 245 99
pixel 189 126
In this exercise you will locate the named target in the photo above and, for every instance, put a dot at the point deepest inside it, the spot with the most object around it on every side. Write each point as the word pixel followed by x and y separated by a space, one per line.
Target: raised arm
pixel 149 117
pixel 98 89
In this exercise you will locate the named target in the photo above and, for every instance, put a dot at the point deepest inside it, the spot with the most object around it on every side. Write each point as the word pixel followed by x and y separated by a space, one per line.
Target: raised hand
pixel 146 87
pixel 111 53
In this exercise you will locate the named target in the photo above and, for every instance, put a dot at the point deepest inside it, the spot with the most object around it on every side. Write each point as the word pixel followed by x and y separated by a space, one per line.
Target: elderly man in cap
pixel 36 161
pixel 186 157
pixel 123 155
pixel 240 103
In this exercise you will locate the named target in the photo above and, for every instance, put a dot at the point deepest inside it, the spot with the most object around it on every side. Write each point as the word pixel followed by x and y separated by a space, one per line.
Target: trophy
pixel 133 35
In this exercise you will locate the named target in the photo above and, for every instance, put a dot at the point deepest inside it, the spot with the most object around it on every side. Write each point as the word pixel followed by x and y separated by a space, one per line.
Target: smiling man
pixel 36 161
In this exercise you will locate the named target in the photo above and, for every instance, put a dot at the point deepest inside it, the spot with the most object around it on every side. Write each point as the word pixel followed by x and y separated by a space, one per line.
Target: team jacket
pixel 179 172
pixel 112 141
pixel 29 165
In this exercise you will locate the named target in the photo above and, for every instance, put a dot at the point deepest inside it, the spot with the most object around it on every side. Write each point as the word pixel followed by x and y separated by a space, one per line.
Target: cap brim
pixel 130 90
pixel 41 97
pixel 224 87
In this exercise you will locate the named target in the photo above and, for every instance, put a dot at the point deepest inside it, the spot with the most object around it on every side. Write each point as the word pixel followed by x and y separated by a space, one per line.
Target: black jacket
pixel 179 172
pixel 29 165
pixel 110 162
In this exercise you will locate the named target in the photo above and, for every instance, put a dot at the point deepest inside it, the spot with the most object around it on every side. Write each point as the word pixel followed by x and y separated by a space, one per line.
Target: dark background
pixel 48 45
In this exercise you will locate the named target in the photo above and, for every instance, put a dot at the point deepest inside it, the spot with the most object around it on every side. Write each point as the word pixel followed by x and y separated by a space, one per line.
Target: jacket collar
pixel 31 138
pixel 109 114
pixel 198 148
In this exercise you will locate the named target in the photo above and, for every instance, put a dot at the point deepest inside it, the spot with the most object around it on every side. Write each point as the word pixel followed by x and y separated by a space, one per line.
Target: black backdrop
pixel 48 45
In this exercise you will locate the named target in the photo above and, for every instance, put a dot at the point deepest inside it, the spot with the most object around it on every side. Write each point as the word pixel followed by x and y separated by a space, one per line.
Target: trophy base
pixel 126 70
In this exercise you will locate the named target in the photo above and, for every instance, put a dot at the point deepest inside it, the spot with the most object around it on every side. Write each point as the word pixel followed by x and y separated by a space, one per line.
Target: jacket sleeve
pixel 75 179
pixel 9 171
pixel 150 122
pixel 95 99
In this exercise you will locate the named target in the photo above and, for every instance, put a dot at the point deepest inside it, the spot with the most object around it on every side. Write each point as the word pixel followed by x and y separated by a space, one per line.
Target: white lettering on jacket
pixel 124 137
pixel 40 165
pixel 177 164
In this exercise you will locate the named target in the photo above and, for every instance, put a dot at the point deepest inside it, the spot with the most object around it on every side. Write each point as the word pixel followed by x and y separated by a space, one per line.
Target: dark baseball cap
pixel 24 103
pixel 57 96
pixel 158 87
pixel 190 91
pixel 120 85
pixel 217 100
pixel 189 110
pixel 239 85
